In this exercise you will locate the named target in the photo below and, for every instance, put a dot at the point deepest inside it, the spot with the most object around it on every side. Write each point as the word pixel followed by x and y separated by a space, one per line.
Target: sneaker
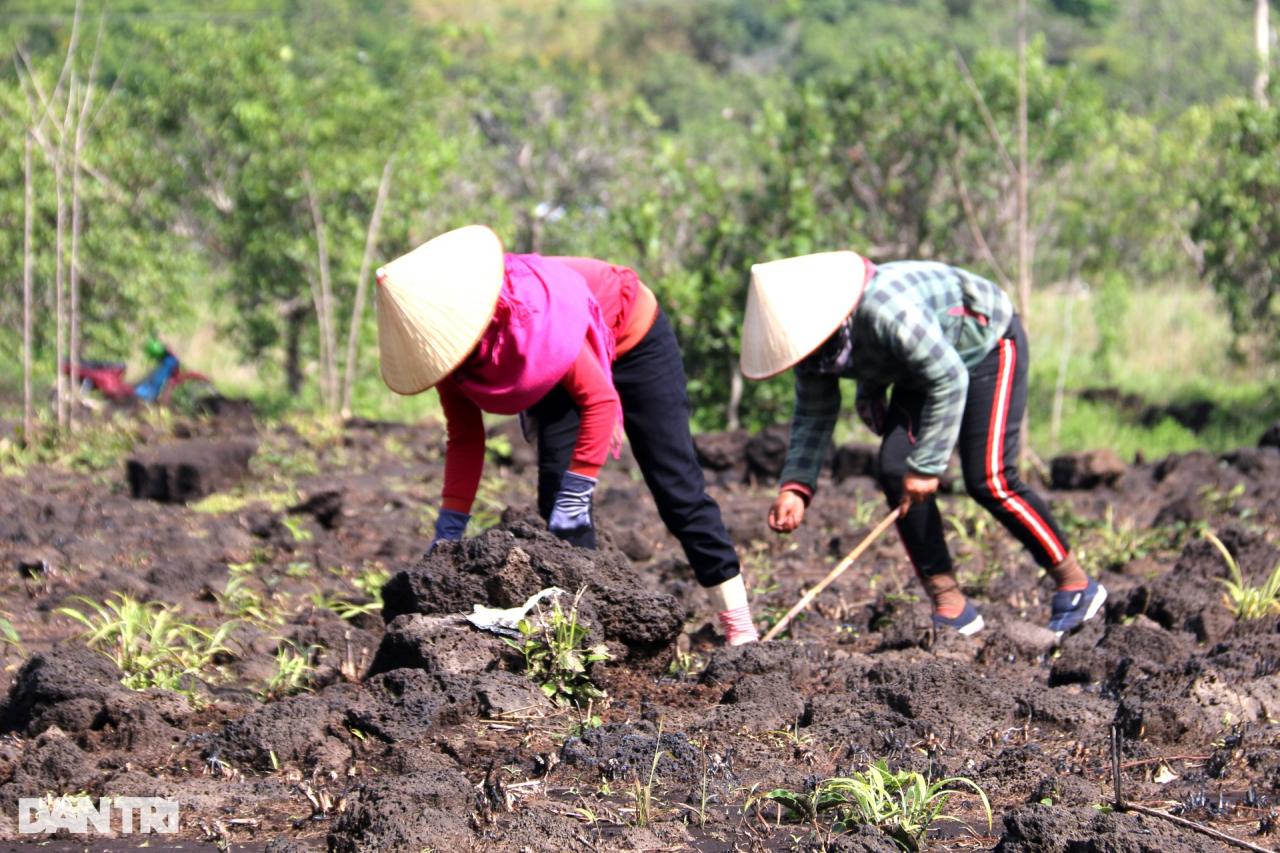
pixel 1072 608
pixel 968 623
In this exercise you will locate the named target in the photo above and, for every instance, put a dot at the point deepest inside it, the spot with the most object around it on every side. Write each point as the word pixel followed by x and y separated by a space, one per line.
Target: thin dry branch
pixel 983 110
pixel 975 228
pixel 362 283
pixel 324 298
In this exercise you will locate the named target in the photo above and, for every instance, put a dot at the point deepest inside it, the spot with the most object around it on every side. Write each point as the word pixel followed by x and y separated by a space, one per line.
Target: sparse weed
pixel 372 578
pixel 149 641
pixel 342 607
pixel 642 791
pixel 1110 545
pixel 792 736
pixel 295 671
pixel 1244 600
pixel 103 446
pixel 686 665
pixel 9 636
pixel 757 565
pixel 556 656
pixel 903 805
pixel 1221 502
pixel 297 528
pixel 239 600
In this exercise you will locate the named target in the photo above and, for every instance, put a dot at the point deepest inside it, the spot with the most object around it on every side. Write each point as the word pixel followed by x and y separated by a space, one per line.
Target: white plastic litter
pixel 507 621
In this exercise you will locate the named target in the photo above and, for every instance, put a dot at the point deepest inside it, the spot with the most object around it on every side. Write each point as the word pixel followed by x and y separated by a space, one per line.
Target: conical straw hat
pixel 794 305
pixel 434 304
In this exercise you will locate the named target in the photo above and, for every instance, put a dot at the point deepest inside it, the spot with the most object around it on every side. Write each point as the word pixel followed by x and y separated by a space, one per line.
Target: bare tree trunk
pixel 1262 43
pixel 28 408
pixel 77 156
pixel 74 348
pixel 362 285
pixel 1024 230
pixel 1024 205
pixel 293 350
pixel 323 297
pixel 60 277
pixel 735 394
pixel 1060 387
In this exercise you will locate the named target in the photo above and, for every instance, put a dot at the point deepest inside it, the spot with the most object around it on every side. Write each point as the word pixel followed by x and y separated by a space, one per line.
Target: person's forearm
pixel 939 425
pixel 817 408
pixel 464 449
pixel 597 403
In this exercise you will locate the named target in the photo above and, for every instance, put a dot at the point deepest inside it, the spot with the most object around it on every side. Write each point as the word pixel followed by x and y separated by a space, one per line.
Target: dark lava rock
pixel 729 663
pixel 626 750
pixel 1087 470
pixel 294 729
pixel 52 763
pixel 1271 438
pixel 505 694
pixel 189 470
pixel 443 644
pixel 325 507
pixel 506 565
pixel 721 451
pixel 857 839
pixel 1185 509
pixel 855 460
pixel 423 810
pixel 1067 790
pixel 1044 829
pixel 66 686
pixel 409 704
pixel 943 693
pixel 766 453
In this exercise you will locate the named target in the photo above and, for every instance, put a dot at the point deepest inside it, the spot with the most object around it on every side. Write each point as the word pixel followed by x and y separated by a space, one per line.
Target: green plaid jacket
pixel 919 324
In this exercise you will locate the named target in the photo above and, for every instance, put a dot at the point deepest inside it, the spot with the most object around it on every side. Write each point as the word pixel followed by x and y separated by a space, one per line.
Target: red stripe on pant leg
pixel 996 482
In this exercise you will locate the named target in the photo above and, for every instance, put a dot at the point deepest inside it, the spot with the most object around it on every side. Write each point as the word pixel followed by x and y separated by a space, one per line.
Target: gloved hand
pixel 871 410
pixel 571 514
pixel 449 526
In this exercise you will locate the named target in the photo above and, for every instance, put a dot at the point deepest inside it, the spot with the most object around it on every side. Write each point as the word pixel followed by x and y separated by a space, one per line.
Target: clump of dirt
pixel 425 809
pixel 1044 829
pixel 506 565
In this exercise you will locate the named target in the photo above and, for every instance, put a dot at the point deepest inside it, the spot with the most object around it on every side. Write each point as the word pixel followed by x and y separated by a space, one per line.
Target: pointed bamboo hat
pixel 434 304
pixel 793 306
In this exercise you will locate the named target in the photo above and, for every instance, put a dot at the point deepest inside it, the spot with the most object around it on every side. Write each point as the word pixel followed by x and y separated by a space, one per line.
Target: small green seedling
pixel 1244 600
pixel 903 805
pixel 556 656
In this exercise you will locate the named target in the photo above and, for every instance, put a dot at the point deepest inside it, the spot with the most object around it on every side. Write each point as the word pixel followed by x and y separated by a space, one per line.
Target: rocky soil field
pixel 337 700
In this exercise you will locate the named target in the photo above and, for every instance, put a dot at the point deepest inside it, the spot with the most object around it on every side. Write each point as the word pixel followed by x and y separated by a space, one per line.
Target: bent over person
pixel 940 359
pixel 581 348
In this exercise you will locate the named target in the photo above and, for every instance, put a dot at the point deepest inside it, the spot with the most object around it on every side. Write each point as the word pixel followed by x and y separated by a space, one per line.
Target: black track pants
pixel 988 445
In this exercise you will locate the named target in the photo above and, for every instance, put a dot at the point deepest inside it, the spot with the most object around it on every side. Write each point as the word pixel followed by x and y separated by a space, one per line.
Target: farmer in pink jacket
pixel 577 345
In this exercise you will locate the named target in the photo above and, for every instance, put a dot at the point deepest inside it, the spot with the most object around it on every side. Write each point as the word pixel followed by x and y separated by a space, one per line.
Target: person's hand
pixel 787 511
pixel 871 410
pixel 917 488
pixel 450 525
pixel 571 514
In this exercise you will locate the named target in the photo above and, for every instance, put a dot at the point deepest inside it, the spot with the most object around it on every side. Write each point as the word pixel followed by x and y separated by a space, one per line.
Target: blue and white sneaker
pixel 1073 608
pixel 968 623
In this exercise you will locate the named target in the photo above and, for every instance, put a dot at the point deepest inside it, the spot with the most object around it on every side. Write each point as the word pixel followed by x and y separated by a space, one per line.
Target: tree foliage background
pixel 236 162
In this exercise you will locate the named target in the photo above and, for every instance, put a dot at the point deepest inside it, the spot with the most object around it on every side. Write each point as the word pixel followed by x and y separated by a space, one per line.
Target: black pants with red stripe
pixel 988 445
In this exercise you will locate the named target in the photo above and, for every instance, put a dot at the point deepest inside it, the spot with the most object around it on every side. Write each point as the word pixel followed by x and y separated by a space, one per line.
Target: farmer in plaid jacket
pixel 940 359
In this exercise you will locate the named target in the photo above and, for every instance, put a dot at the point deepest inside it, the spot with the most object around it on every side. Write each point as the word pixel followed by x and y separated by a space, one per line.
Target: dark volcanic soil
pixel 416 731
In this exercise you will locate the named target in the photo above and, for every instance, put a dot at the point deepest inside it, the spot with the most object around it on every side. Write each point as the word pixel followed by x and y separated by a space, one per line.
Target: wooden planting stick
pixel 808 597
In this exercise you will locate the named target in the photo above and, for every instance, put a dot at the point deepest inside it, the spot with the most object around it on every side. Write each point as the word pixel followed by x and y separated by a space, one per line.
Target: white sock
pixel 730 601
